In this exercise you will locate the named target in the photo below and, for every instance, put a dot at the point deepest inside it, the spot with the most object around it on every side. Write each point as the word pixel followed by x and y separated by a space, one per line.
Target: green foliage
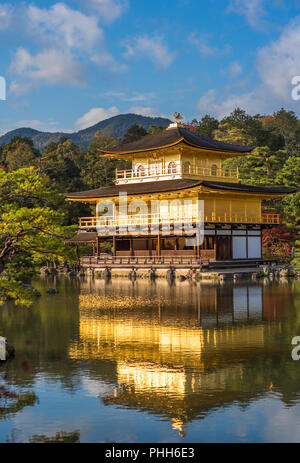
pixel 241 129
pixel 291 207
pixel 19 152
pixel 11 402
pixel 207 126
pixel 286 123
pixel 62 165
pixel 134 133
pixel 289 174
pixel 276 162
pixel 153 129
pixel 59 437
pixel 258 168
pixel 63 162
pixel 97 171
pixel 31 231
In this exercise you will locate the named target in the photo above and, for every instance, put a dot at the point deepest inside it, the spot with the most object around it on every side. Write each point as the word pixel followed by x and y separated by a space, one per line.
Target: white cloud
pixel 204 48
pixel 142 111
pixel 49 126
pixel 68 40
pixel 152 47
pixel 6 12
pixel 252 10
pixel 73 30
pixel 19 88
pixel 47 67
pixel 137 97
pixel 218 106
pixel 277 63
pixel 96 388
pixel 234 69
pixel 206 100
pixel 134 97
pixel 4 131
pixel 95 115
pixel 109 10
pixel 107 61
pixel 63 25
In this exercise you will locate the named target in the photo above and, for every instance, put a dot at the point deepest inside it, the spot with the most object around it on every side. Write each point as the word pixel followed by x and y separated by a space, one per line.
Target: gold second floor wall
pixel 216 207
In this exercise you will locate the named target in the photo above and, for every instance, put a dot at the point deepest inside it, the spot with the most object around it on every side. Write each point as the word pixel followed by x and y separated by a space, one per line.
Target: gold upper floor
pixel 177 162
pixel 172 170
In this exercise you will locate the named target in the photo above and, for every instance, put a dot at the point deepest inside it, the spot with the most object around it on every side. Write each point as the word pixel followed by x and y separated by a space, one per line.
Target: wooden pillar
pixel 215 246
pixel 98 246
pixel 158 245
pixel 214 211
pixel 198 245
pixel 114 245
pixel 131 247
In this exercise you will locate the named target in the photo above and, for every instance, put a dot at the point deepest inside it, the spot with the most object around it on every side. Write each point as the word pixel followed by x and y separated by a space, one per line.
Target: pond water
pixel 122 361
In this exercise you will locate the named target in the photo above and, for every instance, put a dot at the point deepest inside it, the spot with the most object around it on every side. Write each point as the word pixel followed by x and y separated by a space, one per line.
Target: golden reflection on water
pixel 178 350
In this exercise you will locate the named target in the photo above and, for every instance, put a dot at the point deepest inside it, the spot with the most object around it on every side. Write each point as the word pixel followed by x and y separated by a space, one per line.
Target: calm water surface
pixel 153 362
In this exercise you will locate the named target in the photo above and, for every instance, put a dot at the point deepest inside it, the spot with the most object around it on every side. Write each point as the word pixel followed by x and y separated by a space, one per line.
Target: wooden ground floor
pixel 218 243
pixel 215 245
pixel 176 262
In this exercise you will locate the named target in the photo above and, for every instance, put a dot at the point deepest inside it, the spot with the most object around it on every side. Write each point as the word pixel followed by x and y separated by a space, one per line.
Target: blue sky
pixel 71 64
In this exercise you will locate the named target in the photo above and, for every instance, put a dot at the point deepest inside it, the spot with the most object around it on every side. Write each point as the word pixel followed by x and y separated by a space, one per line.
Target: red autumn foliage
pixel 277 242
pixel 268 120
pixel 190 127
pixel 270 236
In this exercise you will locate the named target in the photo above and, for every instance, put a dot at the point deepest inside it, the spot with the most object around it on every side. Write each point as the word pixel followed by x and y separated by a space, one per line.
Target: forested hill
pixel 116 126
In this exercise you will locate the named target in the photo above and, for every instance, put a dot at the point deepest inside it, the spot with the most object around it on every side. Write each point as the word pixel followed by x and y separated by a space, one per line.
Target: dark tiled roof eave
pixel 173 185
pixel 239 187
pixel 137 188
pixel 83 237
pixel 173 136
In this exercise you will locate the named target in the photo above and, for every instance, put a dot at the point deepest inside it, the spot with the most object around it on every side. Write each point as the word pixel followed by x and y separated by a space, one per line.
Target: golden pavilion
pixel 172 173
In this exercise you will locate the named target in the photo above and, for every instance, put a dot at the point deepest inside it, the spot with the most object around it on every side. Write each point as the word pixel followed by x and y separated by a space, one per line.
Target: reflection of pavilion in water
pixel 187 354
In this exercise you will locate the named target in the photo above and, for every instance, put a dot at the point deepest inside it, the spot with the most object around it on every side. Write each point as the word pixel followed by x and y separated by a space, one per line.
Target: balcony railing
pixel 273 219
pixel 151 172
pixel 155 219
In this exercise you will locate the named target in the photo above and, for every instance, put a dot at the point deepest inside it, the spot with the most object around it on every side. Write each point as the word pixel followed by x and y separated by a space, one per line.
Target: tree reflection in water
pixel 12 402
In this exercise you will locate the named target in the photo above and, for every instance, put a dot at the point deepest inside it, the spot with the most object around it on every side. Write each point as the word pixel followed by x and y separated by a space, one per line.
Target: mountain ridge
pixel 115 126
